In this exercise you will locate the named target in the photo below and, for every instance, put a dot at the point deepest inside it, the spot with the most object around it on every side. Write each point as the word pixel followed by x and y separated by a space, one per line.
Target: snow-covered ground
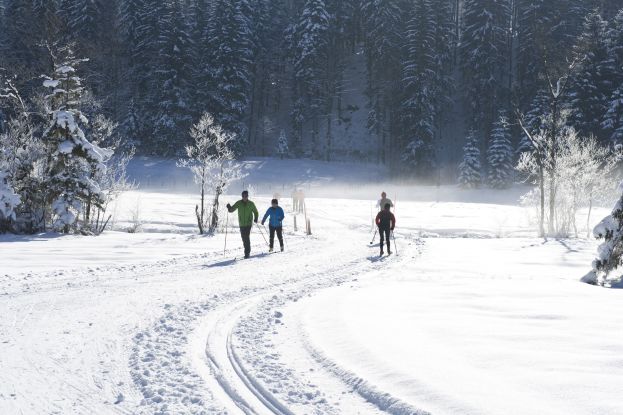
pixel 475 315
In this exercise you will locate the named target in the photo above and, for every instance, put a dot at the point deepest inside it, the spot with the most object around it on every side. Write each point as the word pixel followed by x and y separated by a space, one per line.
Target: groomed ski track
pixel 188 335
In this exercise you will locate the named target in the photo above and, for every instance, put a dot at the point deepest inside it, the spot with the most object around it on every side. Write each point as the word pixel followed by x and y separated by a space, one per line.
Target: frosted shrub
pixel 212 162
pixel 580 171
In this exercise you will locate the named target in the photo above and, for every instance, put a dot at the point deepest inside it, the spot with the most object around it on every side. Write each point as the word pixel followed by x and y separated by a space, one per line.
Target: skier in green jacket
pixel 247 214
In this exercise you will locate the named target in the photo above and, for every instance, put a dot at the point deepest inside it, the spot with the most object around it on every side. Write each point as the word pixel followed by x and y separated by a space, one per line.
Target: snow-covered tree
pixel 470 170
pixel 231 40
pixel 483 49
pixel 610 252
pixel 212 162
pixel 417 108
pixel 282 146
pixel 383 27
pixel 22 158
pixel 534 119
pixel 613 119
pixel 500 155
pixel 72 159
pixel 9 200
pixel 592 81
pixel 579 170
pixel 171 81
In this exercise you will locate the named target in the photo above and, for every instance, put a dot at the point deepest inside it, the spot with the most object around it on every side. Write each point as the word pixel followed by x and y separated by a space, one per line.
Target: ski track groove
pixel 258 329
pixel 159 362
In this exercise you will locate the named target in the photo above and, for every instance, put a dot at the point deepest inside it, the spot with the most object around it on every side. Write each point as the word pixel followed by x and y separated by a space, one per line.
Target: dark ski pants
pixel 245 232
pixel 384 234
pixel 279 231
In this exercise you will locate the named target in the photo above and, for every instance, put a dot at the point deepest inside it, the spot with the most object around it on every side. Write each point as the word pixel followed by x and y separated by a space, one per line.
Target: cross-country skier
pixel 247 214
pixel 386 221
pixel 383 201
pixel 275 224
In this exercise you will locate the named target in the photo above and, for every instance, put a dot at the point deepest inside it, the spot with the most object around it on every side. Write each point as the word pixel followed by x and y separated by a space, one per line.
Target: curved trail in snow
pixel 196 332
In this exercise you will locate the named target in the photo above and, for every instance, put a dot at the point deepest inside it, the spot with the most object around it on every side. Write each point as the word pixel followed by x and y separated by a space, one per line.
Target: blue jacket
pixel 276 216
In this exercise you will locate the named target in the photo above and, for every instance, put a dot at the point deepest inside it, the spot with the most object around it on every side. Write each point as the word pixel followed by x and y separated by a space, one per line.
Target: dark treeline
pixel 266 66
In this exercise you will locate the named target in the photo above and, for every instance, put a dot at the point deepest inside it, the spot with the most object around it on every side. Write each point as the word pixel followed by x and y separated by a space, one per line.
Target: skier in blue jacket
pixel 275 224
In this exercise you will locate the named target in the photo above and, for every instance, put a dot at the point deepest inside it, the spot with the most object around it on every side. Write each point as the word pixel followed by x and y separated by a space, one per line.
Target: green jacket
pixel 247 213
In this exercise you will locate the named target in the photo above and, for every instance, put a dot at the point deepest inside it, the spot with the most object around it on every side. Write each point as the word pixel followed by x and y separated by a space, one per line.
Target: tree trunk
pixel 542 191
pixel 588 219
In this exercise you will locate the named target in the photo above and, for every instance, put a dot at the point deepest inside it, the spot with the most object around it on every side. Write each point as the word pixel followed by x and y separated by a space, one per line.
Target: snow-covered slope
pixel 474 315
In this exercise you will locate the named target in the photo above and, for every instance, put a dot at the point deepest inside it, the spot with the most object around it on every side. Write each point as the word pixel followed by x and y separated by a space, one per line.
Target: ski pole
pixel 226 226
pixel 262 233
pixel 374 236
pixel 395 245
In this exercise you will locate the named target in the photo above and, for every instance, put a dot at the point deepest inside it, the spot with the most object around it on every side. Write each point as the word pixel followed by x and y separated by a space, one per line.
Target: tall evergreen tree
pixel 418 109
pixel 592 82
pixel 483 59
pixel 382 24
pixel 310 61
pixel 72 159
pixel 500 155
pixel 547 31
pixel 470 170
pixel 231 39
pixel 19 42
pixel 171 82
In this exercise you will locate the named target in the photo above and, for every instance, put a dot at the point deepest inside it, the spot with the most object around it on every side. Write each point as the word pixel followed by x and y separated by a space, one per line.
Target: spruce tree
pixel 610 252
pixel 417 109
pixel 72 159
pixel 483 58
pixel 311 50
pixel 231 40
pixel 613 119
pixel 500 155
pixel 172 82
pixel 534 120
pixel 282 146
pixel 470 170
pixel 592 83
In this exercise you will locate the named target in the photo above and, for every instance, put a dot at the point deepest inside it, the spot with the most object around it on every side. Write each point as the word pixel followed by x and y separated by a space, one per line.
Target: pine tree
pixel 417 110
pixel 9 201
pixel 534 120
pixel 383 26
pixel 231 39
pixel 171 82
pixel 547 31
pixel 592 83
pixel 500 155
pixel 282 146
pixel 613 120
pixel 141 28
pixel 72 159
pixel 612 123
pixel 201 58
pixel 18 40
pixel 311 60
pixel 483 58
pixel 610 252
pixel 470 170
